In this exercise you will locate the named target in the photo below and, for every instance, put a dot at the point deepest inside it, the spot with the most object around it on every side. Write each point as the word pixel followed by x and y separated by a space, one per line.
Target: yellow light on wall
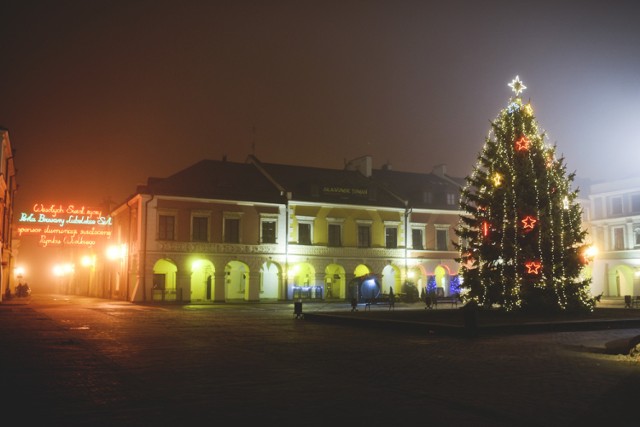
pixel 87 261
pixel 116 251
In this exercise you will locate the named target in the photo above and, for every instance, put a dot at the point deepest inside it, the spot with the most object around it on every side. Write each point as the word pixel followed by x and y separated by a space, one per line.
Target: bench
pixel 432 301
pixel 453 300
pixel 391 302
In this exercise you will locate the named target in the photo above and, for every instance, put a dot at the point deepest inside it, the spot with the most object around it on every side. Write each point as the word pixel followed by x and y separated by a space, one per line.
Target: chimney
pixel 440 170
pixel 363 164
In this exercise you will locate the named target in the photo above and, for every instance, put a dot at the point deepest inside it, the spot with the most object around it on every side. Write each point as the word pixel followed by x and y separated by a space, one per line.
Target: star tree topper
pixel 517 86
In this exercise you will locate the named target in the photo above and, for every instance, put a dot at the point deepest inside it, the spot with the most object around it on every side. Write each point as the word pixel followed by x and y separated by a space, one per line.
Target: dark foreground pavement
pixel 73 361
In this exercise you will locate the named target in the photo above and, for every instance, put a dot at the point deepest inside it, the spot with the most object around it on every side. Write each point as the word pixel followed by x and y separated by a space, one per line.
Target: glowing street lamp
pixel 19 272
pixel 116 251
pixel 590 252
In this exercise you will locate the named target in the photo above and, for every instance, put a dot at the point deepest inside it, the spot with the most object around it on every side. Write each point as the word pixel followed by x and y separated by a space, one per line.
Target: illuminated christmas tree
pixel 521 239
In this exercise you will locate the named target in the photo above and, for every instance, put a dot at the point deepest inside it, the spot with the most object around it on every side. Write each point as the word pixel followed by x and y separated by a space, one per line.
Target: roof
pixel 213 179
pixel 421 190
pixel 335 186
pixel 255 181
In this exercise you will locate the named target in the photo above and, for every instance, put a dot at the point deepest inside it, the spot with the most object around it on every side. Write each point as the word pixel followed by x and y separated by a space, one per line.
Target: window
pixel 636 233
pixel 166 227
pixel 451 199
pixel 442 238
pixel 618 238
pixel 427 197
pixel 635 203
pixel 304 233
pixel 417 237
pixel 364 236
pixel 268 231
pixel 616 205
pixel 231 230
pixel 335 235
pixel 391 237
pixel 200 229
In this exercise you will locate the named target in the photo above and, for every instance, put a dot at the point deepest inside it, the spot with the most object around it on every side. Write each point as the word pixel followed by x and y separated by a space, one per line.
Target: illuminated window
pixel 616 205
pixel 231 230
pixel 200 229
pixel 442 239
pixel 268 231
pixel 364 236
pixel 166 227
pixel 417 238
pixel 618 238
pixel 391 237
pixel 304 233
pixel 335 235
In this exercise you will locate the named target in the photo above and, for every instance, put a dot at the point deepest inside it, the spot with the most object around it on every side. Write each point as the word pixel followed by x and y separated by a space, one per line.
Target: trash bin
pixel 297 309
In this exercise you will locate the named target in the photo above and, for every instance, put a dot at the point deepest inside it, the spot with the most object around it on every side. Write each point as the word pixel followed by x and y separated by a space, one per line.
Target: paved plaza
pixel 75 361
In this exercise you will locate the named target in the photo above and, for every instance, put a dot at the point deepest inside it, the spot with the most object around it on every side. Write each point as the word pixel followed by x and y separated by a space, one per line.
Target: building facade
pixel 221 231
pixel 8 187
pixel 614 224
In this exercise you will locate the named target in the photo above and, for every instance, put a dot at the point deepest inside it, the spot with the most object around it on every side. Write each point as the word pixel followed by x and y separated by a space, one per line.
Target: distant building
pixel 220 231
pixel 8 186
pixel 615 229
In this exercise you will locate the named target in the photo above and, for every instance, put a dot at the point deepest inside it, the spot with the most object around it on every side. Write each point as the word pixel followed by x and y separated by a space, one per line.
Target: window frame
pixel 391 226
pixel 307 222
pixel 419 229
pixel 206 216
pixel 330 242
pixel 162 232
pixel 617 238
pixel 362 225
pixel 439 230
pixel 613 204
pixel 264 219
pixel 231 216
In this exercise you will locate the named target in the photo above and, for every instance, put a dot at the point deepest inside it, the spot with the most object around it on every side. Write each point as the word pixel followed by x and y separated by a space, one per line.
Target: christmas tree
pixel 521 239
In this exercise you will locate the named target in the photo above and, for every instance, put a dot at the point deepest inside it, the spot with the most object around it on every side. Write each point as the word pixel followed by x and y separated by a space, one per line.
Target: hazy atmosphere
pixel 99 95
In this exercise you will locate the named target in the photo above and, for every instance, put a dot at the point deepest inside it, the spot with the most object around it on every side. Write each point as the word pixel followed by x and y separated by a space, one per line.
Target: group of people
pixel 22 290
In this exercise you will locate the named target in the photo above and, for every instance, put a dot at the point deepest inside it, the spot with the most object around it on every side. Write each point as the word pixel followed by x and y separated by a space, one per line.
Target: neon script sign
pixel 70 225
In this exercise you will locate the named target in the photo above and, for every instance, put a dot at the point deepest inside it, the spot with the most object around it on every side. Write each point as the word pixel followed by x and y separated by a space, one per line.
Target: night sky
pixel 100 95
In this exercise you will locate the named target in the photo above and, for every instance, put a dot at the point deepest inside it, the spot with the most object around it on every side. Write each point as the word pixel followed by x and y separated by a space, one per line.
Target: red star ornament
pixel 533 267
pixel 522 144
pixel 529 222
